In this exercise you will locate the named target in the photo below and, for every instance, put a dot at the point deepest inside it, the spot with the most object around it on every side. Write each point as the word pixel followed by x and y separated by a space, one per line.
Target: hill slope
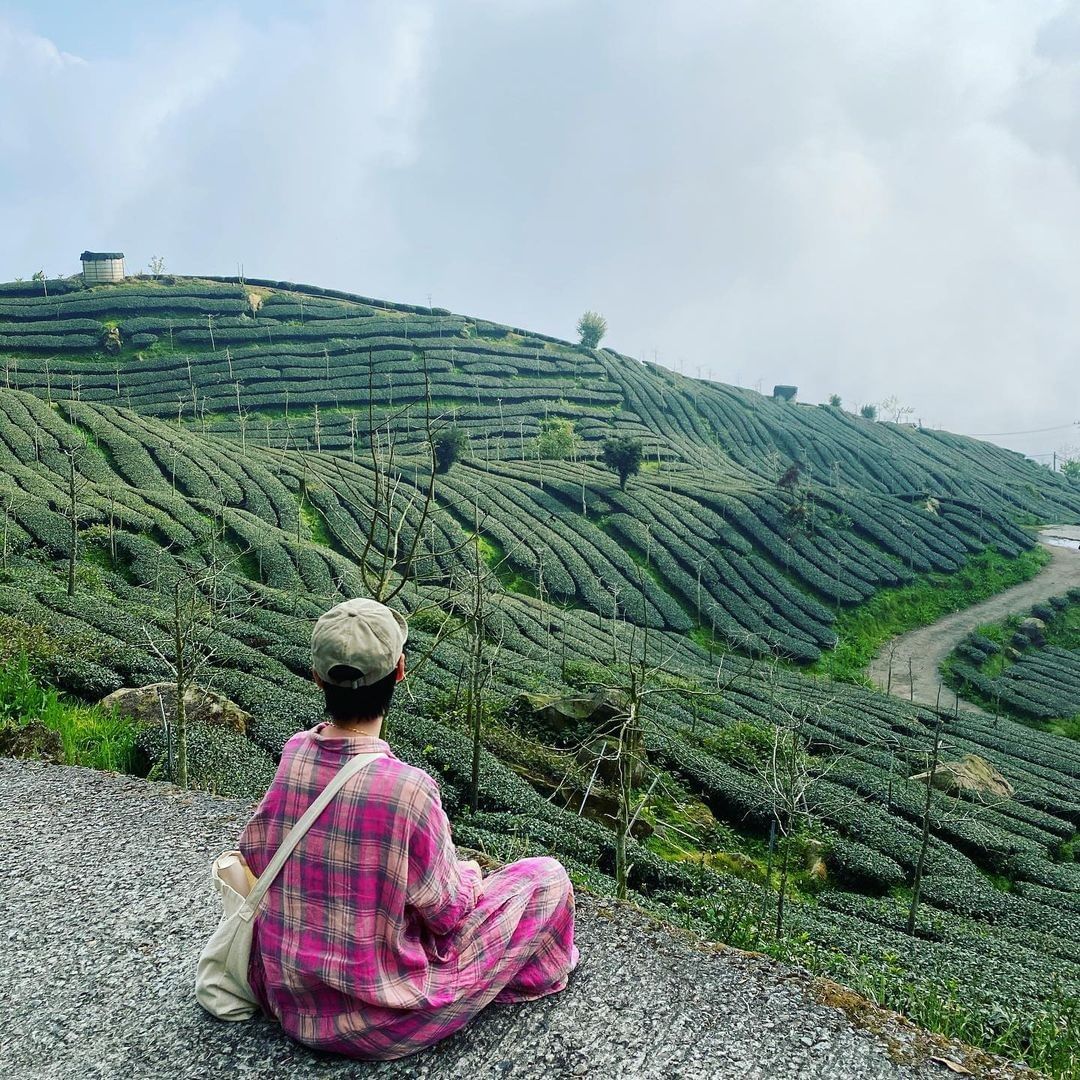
pixel 238 436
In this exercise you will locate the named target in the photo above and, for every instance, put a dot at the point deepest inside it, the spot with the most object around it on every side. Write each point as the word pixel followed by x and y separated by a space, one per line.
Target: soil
pixel 928 646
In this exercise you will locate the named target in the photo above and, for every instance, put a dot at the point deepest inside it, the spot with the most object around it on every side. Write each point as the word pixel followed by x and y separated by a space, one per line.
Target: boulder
pixel 598 711
pixel 971 774
pixel 597 718
pixel 33 740
pixel 145 703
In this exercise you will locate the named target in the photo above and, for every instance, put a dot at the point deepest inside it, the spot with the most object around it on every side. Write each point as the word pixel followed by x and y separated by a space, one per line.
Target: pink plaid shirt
pixel 375 940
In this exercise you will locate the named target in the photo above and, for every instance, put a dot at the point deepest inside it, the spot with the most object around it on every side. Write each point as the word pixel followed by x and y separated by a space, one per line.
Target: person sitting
pixel 376 941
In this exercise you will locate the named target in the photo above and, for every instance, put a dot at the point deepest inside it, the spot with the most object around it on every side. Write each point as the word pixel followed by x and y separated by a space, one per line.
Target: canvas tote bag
pixel 221 982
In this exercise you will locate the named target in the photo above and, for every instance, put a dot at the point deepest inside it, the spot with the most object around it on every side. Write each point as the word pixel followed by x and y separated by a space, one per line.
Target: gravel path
pixel 928 646
pixel 106 903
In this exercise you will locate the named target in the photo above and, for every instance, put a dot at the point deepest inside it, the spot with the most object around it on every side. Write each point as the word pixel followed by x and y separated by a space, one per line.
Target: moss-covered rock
pixel 147 705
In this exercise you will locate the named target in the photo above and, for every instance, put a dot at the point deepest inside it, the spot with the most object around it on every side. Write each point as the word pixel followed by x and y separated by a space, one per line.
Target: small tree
pixel 477 596
pixel 591 327
pixel 7 504
pixel 790 479
pixel 788 776
pixel 834 401
pixel 157 265
pixel 934 761
pixel 623 454
pixel 75 486
pixel 449 445
pixel 557 439
pixel 895 412
pixel 868 412
pixel 186 641
pixel 1071 470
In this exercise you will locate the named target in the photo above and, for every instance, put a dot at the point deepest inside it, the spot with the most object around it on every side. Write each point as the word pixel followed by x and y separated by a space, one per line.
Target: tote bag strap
pixel 296 833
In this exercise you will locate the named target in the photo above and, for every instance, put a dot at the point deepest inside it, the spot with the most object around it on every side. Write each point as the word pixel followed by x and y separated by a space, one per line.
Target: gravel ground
pixel 106 902
pixel 928 646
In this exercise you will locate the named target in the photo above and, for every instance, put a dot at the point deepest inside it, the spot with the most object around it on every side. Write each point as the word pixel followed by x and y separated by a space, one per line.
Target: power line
pixel 1033 431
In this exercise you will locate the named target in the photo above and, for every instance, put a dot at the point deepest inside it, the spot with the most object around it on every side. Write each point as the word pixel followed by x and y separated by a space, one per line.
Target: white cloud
pixel 861 198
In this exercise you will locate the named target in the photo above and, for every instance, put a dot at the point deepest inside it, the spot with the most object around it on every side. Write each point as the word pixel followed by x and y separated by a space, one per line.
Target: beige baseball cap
pixel 361 634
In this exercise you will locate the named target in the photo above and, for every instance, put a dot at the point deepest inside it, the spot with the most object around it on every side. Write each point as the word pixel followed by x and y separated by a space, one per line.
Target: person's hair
pixel 363 703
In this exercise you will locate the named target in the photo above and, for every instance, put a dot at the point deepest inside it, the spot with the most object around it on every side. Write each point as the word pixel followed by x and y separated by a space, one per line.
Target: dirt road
pixel 927 647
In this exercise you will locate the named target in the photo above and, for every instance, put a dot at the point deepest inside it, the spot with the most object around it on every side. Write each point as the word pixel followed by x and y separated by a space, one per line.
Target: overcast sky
pixel 864 198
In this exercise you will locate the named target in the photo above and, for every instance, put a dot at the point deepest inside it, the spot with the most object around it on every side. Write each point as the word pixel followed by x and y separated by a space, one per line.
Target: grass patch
pixel 316 525
pixel 89 735
pixel 862 631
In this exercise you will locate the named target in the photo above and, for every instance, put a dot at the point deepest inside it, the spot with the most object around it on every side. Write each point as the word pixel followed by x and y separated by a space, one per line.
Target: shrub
pixel 591 328
pixel 557 439
pixel 450 445
pixel 622 453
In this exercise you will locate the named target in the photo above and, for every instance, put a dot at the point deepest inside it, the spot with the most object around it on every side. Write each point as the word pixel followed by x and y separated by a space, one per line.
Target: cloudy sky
pixel 868 198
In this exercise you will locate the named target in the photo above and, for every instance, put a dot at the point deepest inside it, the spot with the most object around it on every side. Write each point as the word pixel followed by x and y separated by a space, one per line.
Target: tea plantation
pixel 1027 666
pixel 243 432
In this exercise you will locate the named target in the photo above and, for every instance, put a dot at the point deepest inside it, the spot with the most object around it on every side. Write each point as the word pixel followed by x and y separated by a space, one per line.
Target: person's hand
pixel 479 877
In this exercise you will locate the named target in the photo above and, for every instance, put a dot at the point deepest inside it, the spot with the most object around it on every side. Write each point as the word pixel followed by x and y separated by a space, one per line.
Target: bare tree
pixel 75 487
pixel 476 599
pixel 7 504
pixel 788 776
pixel 896 412
pixel 934 756
pixel 202 600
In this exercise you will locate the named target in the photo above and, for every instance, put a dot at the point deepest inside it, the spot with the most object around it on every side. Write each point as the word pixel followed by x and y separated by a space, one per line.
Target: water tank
pixel 98 266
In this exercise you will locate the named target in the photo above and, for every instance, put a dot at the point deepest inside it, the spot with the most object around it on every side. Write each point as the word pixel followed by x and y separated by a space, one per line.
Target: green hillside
pixel 239 435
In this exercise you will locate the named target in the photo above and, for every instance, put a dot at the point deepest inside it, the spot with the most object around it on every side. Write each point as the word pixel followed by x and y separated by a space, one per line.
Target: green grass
pixel 862 631
pixel 316 525
pixel 89 735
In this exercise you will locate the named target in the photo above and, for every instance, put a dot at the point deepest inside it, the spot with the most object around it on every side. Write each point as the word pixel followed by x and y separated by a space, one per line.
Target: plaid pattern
pixel 375 941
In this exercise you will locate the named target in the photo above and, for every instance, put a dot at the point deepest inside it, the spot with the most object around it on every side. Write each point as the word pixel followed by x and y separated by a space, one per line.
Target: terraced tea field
pixel 1026 665
pixel 909 665
pixel 243 436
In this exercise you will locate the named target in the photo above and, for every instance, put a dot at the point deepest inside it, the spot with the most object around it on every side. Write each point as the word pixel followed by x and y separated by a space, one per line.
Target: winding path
pixel 928 646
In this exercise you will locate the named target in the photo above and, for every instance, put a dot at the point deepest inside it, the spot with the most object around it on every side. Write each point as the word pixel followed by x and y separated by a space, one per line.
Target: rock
pixel 598 711
pixel 144 704
pixel 600 715
pixel 1034 630
pixel 971 773
pixel 33 740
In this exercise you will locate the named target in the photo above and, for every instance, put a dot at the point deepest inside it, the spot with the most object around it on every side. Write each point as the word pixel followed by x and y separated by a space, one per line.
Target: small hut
pixel 785 393
pixel 98 266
